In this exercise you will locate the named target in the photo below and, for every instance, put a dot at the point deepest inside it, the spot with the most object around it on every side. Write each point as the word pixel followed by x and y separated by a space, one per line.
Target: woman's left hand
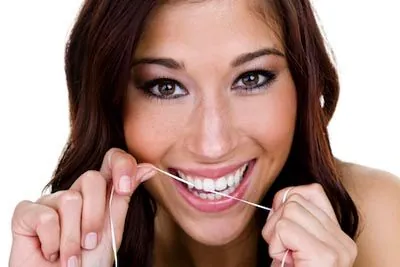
pixel 305 224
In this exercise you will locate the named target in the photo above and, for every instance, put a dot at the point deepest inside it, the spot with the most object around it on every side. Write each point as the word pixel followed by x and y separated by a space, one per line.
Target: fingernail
pixel 53 257
pixel 91 241
pixel 125 184
pixel 144 174
pixel 72 262
pixel 148 175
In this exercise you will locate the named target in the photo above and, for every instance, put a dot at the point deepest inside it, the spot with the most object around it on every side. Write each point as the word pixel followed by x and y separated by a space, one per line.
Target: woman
pixel 223 94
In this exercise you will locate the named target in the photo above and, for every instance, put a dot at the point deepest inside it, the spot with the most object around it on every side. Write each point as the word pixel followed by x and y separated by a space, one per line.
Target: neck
pixel 173 247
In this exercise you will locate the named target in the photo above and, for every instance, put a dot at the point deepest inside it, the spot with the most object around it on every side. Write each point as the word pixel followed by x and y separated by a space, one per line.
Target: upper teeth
pixel 220 184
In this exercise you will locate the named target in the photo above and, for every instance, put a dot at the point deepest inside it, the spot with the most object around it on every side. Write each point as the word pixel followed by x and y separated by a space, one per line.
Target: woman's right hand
pixel 71 228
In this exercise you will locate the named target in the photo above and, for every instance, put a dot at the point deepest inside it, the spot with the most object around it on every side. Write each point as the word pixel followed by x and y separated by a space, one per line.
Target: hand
pixel 306 225
pixel 71 228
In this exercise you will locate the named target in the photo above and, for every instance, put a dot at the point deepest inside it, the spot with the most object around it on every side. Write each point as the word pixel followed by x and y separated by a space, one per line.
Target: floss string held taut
pixel 113 239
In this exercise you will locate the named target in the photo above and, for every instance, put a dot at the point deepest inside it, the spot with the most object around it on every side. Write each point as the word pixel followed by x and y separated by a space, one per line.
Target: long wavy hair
pixel 97 65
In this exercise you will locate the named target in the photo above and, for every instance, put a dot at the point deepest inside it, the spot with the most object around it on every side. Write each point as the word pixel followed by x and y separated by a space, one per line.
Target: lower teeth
pixel 212 196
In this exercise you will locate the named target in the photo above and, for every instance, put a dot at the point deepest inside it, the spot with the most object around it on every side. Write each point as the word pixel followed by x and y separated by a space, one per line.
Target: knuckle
pixel 295 197
pixel 70 197
pixel 50 217
pixel 353 251
pixel 20 207
pixel 331 257
pixel 91 177
pixel 92 221
pixel 282 225
pixel 290 209
pixel 316 188
pixel 71 246
pixel 20 212
pixel 265 234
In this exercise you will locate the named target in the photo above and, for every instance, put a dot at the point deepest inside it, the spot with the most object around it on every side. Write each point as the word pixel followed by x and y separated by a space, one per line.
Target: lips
pixel 231 180
pixel 220 184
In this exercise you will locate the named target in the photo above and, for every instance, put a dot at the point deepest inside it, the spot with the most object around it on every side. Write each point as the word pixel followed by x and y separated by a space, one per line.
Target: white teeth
pixel 226 192
pixel 237 177
pixel 208 185
pixel 230 190
pixel 231 180
pixel 221 184
pixel 211 196
pixel 198 184
pixel 226 184
pixel 190 180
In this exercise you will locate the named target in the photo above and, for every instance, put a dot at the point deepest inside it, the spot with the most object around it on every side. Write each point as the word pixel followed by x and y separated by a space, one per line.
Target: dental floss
pixel 113 239
pixel 287 251
pixel 211 191
pixel 114 246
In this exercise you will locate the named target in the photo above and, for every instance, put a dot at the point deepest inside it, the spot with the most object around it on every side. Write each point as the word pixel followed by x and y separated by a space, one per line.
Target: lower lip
pixel 213 206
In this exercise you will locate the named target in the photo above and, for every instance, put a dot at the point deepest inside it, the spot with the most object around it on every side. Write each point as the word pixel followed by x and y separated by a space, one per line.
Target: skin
pixel 212 125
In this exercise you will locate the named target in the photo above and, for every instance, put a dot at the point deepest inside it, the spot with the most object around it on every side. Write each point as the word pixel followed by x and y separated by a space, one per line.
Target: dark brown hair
pixel 97 65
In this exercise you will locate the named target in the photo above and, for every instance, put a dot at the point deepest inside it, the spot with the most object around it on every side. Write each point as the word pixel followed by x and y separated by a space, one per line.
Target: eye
pixel 254 79
pixel 164 88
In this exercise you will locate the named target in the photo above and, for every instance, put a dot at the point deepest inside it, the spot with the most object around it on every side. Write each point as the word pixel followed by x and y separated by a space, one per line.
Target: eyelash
pixel 269 77
pixel 147 86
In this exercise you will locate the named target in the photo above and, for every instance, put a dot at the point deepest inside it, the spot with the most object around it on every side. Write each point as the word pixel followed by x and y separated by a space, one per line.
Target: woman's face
pixel 211 99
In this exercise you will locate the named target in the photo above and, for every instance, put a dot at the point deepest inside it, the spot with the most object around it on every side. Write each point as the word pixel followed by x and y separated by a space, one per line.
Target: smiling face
pixel 211 99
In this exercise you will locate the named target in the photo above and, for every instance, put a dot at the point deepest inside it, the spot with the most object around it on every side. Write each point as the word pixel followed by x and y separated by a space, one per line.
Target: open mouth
pixel 227 184
pixel 198 192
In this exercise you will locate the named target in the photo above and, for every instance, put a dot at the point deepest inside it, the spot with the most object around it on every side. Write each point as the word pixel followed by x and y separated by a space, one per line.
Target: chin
pixel 216 231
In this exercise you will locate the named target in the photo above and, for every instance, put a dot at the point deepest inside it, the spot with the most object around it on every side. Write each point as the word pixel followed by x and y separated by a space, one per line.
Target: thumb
pixel 119 203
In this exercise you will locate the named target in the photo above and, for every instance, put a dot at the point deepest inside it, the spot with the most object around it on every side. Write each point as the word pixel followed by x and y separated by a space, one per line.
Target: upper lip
pixel 212 173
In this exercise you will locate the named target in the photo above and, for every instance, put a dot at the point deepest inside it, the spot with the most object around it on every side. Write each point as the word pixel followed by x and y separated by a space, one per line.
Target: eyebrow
pixel 244 58
pixel 240 60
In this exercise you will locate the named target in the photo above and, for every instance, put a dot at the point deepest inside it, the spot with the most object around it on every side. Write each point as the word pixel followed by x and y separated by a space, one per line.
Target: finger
pixel 298 210
pixel 34 220
pixel 304 247
pixel 68 204
pixel 342 240
pixel 93 187
pixel 313 193
pixel 316 222
pixel 121 168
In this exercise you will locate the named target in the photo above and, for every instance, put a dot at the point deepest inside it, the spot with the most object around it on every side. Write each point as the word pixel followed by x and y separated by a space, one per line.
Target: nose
pixel 211 135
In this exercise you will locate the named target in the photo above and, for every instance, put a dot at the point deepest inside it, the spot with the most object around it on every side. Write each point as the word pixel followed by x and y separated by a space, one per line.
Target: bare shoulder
pixel 376 194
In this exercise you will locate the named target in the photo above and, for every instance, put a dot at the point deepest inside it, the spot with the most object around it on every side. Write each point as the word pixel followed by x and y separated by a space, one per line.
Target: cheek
pixel 151 129
pixel 270 120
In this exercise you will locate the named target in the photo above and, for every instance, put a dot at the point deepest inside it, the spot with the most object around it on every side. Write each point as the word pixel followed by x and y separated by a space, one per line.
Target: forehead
pixel 213 26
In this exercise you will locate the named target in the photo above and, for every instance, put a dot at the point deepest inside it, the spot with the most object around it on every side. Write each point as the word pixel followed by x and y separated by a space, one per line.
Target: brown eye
pixel 251 79
pixel 164 88
pixel 254 80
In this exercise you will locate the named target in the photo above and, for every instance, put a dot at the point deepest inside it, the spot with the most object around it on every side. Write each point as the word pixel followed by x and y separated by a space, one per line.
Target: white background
pixel 33 100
